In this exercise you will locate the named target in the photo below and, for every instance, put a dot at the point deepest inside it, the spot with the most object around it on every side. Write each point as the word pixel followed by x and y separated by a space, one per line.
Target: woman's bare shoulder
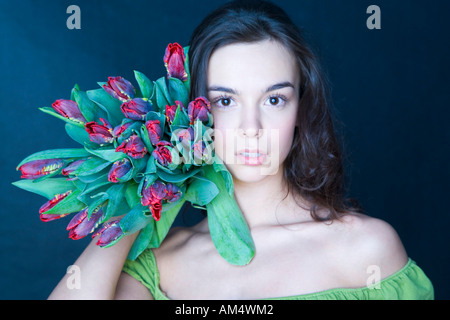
pixel 368 241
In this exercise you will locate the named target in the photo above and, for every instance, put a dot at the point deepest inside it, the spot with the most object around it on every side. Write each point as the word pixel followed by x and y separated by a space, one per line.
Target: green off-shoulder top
pixel 409 283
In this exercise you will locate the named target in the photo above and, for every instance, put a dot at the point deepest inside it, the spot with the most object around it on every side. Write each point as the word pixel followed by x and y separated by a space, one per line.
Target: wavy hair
pixel 314 167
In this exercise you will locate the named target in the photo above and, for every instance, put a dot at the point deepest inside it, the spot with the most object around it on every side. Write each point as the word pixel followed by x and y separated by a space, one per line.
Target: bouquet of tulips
pixel 145 151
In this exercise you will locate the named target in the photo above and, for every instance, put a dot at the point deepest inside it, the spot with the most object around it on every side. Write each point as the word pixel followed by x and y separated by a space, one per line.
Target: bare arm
pixel 100 271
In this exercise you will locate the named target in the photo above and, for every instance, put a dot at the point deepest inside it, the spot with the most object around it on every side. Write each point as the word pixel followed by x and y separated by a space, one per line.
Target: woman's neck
pixel 264 203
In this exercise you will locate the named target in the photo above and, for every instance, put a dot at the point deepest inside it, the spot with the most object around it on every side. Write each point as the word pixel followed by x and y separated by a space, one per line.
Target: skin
pixel 294 254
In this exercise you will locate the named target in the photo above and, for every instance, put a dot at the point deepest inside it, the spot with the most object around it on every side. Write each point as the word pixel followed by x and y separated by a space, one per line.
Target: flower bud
pixel 50 204
pixel 162 153
pixel 80 226
pixel 119 170
pixel 199 109
pixel 172 110
pixel 69 109
pixel 174 59
pixel 154 131
pixel 39 168
pixel 133 147
pixel 110 233
pixel 173 193
pixel 136 109
pixel 72 167
pixel 98 133
pixel 120 88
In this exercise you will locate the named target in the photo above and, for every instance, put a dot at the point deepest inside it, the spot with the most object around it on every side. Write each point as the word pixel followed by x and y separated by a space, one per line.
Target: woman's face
pixel 254 94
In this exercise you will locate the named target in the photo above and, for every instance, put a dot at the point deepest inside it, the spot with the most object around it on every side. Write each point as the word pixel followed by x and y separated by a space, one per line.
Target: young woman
pixel 269 103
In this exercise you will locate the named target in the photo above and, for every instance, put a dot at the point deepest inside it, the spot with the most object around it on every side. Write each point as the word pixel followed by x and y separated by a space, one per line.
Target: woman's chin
pixel 250 173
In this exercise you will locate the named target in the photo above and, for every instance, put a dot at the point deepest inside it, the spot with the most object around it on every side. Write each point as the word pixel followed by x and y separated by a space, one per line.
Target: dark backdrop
pixel 390 90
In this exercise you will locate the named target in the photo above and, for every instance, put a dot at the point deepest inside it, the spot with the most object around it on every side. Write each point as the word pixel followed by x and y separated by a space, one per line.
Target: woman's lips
pixel 251 157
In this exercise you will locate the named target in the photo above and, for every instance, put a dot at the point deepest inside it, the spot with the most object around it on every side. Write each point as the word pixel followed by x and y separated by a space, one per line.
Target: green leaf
pixel 180 119
pixel 100 181
pixel 72 94
pixel 109 104
pixel 47 188
pixel 177 178
pixel 131 194
pixel 54 154
pixel 146 139
pixel 201 191
pixel 229 230
pixel 96 201
pixel 116 203
pixel 186 67
pixel 88 108
pixel 162 226
pixel 108 154
pixel 178 91
pixel 102 175
pixel 162 94
pixel 135 220
pixel 91 166
pixel 144 83
pixel 142 241
pixel 52 112
pixel 139 165
pixel 151 166
pixel 78 134
pixel 220 167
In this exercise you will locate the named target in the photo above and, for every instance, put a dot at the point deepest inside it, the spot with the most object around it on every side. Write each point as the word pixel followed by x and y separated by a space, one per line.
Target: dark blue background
pixel 390 90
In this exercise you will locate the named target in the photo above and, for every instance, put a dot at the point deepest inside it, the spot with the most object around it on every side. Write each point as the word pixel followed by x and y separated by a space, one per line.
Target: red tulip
pixel 154 131
pixel 152 197
pixel 50 204
pixel 69 109
pixel 80 226
pixel 199 109
pixel 72 167
pixel 39 168
pixel 120 88
pixel 185 136
pixel 162 154
pixel 98 133
pixel 110 233
pixel 119 169
pixel 174 59
pixel 136 109
pixel 133 146
pixel 155 192
pixel 155 208
pixel 173 193
pixel 118 130
pixel 171 111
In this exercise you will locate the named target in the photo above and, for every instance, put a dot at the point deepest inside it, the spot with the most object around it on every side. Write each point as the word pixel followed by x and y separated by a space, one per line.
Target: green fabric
pixel 409 283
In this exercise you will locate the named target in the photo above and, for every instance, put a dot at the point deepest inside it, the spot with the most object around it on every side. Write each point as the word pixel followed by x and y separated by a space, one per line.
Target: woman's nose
pixel 249 132
pixel 250 124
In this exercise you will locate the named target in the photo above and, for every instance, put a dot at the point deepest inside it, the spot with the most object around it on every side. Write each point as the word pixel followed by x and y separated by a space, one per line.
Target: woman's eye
pixel 223 102
pixel 276 101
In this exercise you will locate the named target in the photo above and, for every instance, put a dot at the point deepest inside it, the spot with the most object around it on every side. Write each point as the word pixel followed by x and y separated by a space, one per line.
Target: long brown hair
pixel 314 167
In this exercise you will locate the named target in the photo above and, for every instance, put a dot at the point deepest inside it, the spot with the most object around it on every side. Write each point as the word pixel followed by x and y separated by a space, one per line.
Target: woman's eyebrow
pixel 280 85
pixel 222 89
pixel 277 86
